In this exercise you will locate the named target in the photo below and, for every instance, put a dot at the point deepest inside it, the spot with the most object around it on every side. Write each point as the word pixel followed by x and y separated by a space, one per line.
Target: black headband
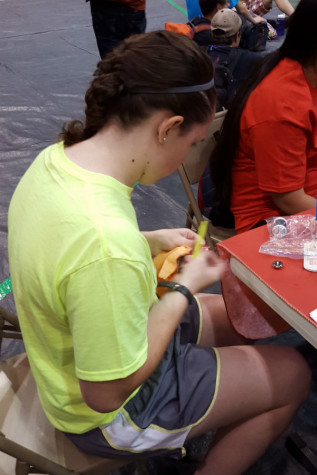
pixel 177 90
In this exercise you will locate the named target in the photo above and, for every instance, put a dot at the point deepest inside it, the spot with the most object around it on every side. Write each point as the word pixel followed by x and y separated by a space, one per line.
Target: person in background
pixel 269 166
pixel 262 7
pixel 254 10
pixel 243 10
pixel 208 9
pixel 226 32
pixel 225 54
pixel 115 20
pixel 118 370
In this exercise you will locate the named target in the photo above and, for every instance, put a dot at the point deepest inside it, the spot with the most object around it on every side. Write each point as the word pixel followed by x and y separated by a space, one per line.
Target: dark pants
pixel 114 21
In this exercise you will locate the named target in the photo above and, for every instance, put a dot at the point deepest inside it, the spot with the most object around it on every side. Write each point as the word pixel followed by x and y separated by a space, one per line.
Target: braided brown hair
pixel 158 61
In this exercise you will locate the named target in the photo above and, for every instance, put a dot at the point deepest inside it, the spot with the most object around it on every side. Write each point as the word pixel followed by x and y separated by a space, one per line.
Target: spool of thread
pixel 279 228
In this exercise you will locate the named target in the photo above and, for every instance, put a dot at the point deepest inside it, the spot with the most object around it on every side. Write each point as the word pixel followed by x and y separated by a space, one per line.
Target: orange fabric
pixel 250 316
pixel 166 264
pixel 188 29
pixel 278 144
pixel 180 28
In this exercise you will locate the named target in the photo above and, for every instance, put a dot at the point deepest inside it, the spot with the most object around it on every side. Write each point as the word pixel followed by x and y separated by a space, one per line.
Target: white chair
pixel 28 442
pixel 190 173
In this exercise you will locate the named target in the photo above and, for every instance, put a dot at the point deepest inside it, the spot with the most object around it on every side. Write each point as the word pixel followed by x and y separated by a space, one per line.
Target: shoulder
pixel 200 20
pixel 203 35
pixel 283 93
pixel 287 74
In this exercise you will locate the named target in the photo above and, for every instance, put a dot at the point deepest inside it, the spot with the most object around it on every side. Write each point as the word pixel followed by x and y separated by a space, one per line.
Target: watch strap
pixel 173 286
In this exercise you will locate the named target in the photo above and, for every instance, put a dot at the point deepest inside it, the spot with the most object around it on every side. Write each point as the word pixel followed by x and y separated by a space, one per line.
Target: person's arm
pixel 280 148
pixel 285 6
pixel 293 202
pixel 241 7
pixel 164 316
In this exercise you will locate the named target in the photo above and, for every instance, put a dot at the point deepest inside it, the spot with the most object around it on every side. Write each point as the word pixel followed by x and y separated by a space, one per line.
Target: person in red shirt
pixel 269 165
pixel 115 20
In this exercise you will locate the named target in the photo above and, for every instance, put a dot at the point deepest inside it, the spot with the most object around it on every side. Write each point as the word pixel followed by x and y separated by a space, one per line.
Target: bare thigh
pixel 217 329
pixel 254 380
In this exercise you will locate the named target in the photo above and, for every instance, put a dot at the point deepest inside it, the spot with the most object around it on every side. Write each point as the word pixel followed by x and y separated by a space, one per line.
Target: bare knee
pixel 299 376
pixel 279 374
pixel 257 380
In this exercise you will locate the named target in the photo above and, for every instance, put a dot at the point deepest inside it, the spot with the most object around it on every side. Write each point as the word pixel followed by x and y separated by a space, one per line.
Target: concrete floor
pixel 47 56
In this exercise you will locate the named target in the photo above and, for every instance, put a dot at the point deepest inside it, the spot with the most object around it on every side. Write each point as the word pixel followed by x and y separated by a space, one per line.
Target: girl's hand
pixel 168 239
pixel 197 273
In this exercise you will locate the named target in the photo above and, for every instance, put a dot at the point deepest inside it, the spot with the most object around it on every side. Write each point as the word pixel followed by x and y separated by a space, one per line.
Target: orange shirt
pixel 278 144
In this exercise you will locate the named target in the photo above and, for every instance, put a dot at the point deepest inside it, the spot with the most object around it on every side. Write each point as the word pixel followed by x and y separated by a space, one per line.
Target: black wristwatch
pixel 173 286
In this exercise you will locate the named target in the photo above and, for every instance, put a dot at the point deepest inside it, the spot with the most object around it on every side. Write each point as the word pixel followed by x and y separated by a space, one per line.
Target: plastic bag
pixel 288 235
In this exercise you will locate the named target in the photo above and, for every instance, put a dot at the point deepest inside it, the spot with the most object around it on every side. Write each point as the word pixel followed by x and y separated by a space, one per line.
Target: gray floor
pixel 47 56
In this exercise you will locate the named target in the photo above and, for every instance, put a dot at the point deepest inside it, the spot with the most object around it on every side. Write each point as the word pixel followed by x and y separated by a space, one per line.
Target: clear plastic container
pixel 310 256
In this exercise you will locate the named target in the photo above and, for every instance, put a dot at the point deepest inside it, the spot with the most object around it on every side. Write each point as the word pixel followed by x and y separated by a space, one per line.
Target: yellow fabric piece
pixel 83 281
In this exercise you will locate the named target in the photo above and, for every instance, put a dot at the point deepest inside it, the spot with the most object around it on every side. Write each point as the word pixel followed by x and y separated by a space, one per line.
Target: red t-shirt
pixel 278 144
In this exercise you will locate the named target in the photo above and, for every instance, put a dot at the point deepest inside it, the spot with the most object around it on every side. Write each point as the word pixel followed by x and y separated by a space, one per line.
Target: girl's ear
pixel 167 125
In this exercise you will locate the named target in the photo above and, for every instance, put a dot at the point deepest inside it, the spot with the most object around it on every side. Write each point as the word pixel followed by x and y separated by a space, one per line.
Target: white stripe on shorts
pixel 123 434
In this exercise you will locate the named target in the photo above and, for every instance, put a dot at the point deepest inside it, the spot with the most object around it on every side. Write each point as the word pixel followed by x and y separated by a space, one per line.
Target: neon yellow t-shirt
pixel 83 282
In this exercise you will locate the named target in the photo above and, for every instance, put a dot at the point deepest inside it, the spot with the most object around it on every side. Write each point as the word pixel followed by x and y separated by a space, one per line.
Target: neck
pixel 121 154
pixel 112 152
pixel 211 14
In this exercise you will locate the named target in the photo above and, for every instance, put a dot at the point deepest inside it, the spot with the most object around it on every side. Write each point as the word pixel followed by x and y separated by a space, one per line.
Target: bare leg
pixel 260 389
pixel 217 329
pixel 283 5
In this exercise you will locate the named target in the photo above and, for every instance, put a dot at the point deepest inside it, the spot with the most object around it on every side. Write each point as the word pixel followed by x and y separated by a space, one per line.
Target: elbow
pixel 103 406
pixel 284 208
pixel 291 202
pixel 102 397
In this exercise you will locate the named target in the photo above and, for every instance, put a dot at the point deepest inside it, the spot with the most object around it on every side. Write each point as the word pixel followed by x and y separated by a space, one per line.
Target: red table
pixel 257 295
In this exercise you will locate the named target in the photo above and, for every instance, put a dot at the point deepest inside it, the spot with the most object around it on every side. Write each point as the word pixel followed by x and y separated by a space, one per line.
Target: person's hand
pixel 258 19
pixel 168 239
pixel 199 272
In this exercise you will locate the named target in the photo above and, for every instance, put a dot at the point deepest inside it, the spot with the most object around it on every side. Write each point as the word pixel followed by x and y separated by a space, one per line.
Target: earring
pixel 164 139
